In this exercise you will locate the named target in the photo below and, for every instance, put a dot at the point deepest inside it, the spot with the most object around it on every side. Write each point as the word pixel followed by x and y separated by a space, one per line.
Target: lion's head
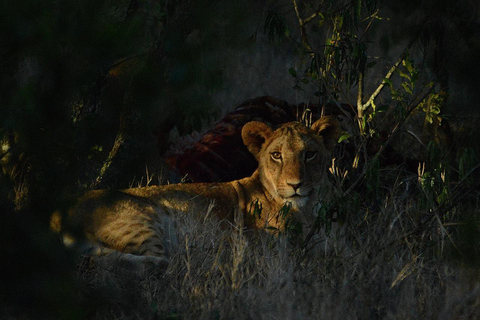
pixel 292 159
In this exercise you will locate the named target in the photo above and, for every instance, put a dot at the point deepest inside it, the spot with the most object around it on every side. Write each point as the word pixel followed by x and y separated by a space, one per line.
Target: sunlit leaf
pixel 408 64
pixel 388 82
pixel 403 74
pixel 406 87
pixel 344 137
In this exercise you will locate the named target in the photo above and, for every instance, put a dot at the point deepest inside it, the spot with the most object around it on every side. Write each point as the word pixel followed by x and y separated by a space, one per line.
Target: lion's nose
pixel 294 184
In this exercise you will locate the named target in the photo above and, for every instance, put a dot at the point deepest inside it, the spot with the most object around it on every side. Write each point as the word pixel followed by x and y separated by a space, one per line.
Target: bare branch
pixel 360 95
pixel 382 85
pixel 303 30
pixel 360 108
pixel 297 12
pixel 313 16
pixel 387 76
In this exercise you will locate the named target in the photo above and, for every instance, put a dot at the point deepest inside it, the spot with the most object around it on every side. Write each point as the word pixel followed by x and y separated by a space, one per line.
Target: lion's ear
pixel 254 134
pixel 329 128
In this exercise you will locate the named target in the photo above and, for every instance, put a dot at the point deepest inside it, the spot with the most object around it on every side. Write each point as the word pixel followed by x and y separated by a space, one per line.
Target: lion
pixel 292 161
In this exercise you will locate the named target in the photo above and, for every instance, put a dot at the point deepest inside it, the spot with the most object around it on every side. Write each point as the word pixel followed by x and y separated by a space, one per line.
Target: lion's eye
pixel 310 155
pixel 276 155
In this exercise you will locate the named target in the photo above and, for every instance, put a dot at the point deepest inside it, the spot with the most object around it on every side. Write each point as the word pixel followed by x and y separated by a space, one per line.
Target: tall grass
pixel 399 255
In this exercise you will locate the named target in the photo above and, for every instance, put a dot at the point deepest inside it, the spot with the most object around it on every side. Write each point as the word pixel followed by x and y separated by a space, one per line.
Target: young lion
pixel 292 164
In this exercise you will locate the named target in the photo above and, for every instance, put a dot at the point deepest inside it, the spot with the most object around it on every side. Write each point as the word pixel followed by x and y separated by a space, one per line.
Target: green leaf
pixel 408 64
pixel 403 74
pixel 407 87
pixel 371 64
pixel 344 137
pixel 388 82
pixel 414 77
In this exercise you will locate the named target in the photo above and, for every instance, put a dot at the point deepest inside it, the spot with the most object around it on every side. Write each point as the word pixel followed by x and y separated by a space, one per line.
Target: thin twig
pixel 313 16
pixel 303 30
pixel 360 108
pixel 387 76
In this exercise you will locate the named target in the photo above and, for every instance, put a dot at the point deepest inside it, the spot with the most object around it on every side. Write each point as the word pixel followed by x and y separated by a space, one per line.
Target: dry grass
pixel 393 258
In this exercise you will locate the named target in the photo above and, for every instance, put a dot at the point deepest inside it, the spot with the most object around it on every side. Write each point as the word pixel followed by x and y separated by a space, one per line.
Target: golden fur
pixel 292 164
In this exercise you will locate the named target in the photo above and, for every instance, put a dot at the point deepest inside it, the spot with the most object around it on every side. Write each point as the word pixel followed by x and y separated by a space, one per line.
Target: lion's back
pixel 142 221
